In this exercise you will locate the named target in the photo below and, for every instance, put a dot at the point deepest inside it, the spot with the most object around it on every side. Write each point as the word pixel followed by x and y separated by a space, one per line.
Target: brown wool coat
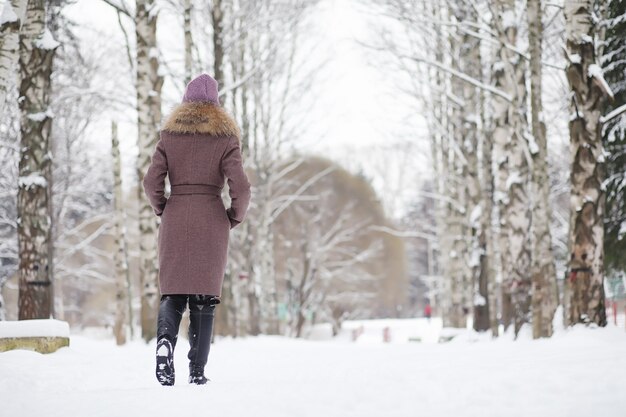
pixel 198 149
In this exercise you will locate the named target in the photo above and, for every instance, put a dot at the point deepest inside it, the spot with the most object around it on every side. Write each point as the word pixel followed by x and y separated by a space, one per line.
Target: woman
pixel 198 149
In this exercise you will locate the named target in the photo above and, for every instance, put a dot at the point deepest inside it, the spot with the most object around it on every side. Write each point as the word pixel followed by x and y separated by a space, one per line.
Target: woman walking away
pixel 199 149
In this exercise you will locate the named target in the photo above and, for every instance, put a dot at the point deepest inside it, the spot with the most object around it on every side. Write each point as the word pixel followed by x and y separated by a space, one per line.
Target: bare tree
pixel 326 258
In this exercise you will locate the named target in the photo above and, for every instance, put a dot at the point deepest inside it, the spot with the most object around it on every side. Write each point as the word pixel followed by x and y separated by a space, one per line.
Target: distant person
pixel 428 311
pixel 199 149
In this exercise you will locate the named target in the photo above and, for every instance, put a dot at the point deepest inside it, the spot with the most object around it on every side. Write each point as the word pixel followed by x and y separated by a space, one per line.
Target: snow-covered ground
pixel 579 372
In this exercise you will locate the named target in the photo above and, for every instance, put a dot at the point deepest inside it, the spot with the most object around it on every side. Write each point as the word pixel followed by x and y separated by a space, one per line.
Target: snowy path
pixel 577 373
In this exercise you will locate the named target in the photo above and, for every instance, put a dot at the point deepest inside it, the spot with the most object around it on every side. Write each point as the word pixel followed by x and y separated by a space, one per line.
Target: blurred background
pixel 408 159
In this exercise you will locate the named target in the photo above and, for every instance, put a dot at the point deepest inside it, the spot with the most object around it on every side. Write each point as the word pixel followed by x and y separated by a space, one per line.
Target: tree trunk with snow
pixel 37 49
pixel 123 309
pixel 457 192
pixel 11 18
pixel 491 268
pixel 10 21
pixel 265 269
pixel 585 285
pixel 511 131
pixel 470 63
pixel 543 273
pixel 439 82
pixel 614 137
pixel 148 84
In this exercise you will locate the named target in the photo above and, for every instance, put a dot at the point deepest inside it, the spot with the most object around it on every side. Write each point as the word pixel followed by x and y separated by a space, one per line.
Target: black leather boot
pixel 201 314
pixel 171 310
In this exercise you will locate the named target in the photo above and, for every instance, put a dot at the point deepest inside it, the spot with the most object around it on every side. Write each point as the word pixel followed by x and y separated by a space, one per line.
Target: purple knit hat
pixel 202 88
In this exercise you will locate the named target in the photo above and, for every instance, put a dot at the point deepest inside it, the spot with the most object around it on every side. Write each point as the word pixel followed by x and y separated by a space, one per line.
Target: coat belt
pixel 182 189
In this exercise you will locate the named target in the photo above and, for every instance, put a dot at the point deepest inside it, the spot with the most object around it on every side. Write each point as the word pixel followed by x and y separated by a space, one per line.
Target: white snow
pixel 575 59
pixel 586 38
pixel 513 178
pixel 8 15
pixel 575 115
pixel 163 351
pixel 153 53
pixel 533 147
pixel 41 116
pixel 34 328
pixel 622 230
pixel 272 376
pixel 474 258
pixel 508 19
pixel 475 215
pixel 594 71
pixel 47 41
pixel 498 66
pixel 32 179
pixel 479 300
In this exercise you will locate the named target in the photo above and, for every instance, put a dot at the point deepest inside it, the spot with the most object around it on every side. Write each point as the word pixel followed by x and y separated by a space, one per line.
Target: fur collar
pixel 201 117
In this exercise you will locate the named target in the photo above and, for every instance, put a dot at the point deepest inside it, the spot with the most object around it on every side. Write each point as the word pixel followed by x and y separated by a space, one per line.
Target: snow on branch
pixel 40 116
pixel 462 76
pixel 8 15
pixel 47 41
pixel 299 191
pixel 594 71
pixel 241 81
pixel 403 233
pixel 34 179
pixel 612 115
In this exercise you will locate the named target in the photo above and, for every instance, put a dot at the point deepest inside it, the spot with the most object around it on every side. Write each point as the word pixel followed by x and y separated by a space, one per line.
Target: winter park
pixel 313 207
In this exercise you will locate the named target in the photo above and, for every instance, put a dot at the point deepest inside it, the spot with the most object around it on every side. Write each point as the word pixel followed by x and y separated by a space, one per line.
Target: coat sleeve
pixel 154 179
pixel 238 184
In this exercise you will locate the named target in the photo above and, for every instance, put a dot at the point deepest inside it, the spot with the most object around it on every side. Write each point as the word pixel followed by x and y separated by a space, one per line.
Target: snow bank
pixel 34 328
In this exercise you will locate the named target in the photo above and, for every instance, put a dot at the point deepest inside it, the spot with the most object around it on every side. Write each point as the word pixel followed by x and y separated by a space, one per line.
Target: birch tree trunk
pixel 37 49
pixel 477 286
pixel 501 135
pixel 149 82
pixel 217 17
pixel 491 271
pixel 12 16
pixel 512 130
pixel 225 321
pixel 123 309
pixel 437 118
pixel 449 310
pixel 586 267
pixel 460 274
pixel 544 297
pixel 189 46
